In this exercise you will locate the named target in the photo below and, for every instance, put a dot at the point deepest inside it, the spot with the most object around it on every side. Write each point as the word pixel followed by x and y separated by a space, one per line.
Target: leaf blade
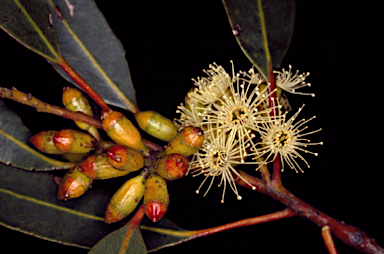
pixel 76 222
pixel 163 234
pixel 14 137
pixel 126 240
pixel 27 22
pixel 90 47
pixel 263 30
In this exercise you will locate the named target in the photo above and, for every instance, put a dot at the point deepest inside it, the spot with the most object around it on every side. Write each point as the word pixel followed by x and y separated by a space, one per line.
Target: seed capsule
pixel 71 141
pixel 156 198
pixel 122 131
pixel 73 185
pixel 98 168
pixel 43 141
pixel 187 142
pixel 74 101
pixel 172 166
pixel 156 125
pixel 125 200
pixel 124 158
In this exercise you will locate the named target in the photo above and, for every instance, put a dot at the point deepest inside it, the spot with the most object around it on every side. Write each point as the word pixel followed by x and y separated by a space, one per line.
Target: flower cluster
pixel 239 125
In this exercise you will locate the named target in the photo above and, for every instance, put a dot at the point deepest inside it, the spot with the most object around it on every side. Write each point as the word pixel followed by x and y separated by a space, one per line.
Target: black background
pixel 167 44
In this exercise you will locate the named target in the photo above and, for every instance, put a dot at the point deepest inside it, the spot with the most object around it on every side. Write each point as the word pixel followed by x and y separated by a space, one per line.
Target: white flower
pixel 210 88
pixel 253 77
pixel 281 136
pixel 290 83
pixel 189 116
pixel 238 112
pixel 217 158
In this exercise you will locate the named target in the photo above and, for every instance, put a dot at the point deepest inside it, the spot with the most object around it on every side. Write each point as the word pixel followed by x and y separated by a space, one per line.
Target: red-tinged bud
pixel 156 198
pixel 156 125
pixel 124 158
pixel 122 131
pixel 125 200
pixel 43 141
pixel 155 210
pixel 71 141
pixel 98 168
pixel 172 166
pixel 74 101
pixel 73 185
pixel 187 142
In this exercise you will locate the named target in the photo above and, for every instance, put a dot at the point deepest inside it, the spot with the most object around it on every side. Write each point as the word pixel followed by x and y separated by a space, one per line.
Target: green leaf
pixel 14 137
pixel 29 205
pixel 112 243
pixel 27 22
pixel 163 234
pixel 263 29
pixel 90 47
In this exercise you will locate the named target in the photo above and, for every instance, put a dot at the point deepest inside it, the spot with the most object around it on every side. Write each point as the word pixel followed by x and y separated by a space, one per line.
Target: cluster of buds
pixel 125 154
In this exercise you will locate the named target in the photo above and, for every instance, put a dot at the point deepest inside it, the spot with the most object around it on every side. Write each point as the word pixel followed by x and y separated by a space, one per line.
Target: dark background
pixel 167 44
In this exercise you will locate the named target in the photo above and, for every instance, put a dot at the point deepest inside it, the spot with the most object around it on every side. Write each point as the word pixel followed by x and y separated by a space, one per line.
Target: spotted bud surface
pixel 156 125
pixel 172 166
pixel 125 200
pixel 73 185
pixel 98 168
pixel 156 198
pixel 43 141
pixel 122 131
pixel 187 141
pixel 74 101
pixel 124 158
pixel 71 141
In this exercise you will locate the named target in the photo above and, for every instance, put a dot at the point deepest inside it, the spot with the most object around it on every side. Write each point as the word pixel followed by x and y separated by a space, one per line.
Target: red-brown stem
pixel 328 240
pixel 350 235
pixel 82 83
pixel 40 106
pixel 286 213
pixel 276 177
pixel 264 170
pixel 133 223
pixel 153 146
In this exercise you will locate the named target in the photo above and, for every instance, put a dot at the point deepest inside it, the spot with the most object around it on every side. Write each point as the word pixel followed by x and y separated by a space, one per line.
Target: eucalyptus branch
pixel 350 235
pixel 41 106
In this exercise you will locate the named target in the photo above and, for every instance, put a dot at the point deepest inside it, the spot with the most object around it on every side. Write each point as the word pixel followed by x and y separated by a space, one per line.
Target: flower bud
pixel 124 158
pixel 74 101
pixel 73 185
pixel 125 200
pixel 75 157
pixel 172 166
pixel 156 125
pixel 43 141
pixel 156 198
pixel 71 141
pixel 98 168
pixel 122 131
pixel 187 141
